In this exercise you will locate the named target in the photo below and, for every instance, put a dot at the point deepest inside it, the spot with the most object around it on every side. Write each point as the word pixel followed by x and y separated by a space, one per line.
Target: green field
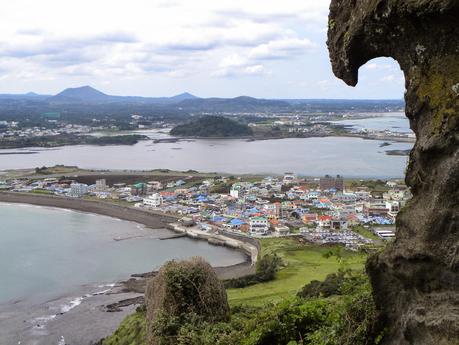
pixel 360 229
pixel 303 263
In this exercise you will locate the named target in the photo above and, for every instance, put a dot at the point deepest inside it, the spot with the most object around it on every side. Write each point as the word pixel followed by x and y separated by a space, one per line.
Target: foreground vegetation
pixel 302 263
pixel 294 308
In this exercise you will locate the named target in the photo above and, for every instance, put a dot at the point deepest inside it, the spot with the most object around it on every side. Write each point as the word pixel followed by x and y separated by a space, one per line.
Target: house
pixel 154 200
pixel 101 185
pixel 391 184
pixel 393 206
pixel 78 190
pixel 313 195
pixel 352 219
pixel 376 208
pixel 309 218
pixel 234 193
pixel 282 230
pixel 259 226
pixel 328 183
pixel 338 224
pixel 236 223
pixel 155 185
pixel 272 209
pixel 289 178
pixel 325 221
pixel 139 189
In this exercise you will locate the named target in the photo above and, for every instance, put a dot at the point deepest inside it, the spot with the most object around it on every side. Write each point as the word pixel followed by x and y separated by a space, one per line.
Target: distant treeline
pixel 212 126
pixel 31 109
pixel 69 139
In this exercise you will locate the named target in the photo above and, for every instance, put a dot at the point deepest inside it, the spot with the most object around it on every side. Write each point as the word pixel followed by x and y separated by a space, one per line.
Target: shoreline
pixel 150 219
pixel 396 139
pixel 99 313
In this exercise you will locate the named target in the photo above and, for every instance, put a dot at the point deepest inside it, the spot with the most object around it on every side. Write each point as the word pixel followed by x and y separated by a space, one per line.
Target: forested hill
pixel 212 127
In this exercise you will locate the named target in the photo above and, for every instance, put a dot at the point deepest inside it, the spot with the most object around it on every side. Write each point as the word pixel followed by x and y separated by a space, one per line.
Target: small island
pixel 212 127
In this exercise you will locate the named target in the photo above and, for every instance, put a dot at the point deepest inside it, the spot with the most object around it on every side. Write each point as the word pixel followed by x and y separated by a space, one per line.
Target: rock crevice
pixel 416 279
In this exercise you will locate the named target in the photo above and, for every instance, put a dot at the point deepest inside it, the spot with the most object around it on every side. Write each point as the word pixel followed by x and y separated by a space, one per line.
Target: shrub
pixel 266 270
pixel 183 292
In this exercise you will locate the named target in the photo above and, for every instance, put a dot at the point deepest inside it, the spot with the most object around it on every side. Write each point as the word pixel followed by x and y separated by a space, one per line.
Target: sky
pixel 211 48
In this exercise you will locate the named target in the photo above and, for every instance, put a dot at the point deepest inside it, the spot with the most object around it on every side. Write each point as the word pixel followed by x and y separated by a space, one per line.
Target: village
pixel 329 209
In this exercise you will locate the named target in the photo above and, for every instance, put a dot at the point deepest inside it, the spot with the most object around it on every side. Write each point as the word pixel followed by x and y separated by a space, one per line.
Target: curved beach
pixel 147 218
pixel 151 219
pixel 92 313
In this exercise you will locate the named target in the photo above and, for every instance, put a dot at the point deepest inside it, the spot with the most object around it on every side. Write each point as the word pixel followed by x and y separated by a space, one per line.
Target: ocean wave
pixel 72 304
pixel 41 321
pixel 107 285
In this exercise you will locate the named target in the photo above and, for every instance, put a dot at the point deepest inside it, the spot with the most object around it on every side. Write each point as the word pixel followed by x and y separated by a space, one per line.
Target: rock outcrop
pixel 183 291
pixel 416 279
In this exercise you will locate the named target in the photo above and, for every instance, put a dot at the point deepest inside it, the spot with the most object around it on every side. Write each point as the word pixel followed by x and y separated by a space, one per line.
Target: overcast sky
pixel 260 48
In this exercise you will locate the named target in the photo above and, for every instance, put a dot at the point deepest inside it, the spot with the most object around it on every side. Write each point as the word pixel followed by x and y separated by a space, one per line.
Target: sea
pixel 45 251
pixel 349 157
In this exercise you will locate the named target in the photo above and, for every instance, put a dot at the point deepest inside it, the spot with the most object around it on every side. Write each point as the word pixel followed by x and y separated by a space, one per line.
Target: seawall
pixel 242 243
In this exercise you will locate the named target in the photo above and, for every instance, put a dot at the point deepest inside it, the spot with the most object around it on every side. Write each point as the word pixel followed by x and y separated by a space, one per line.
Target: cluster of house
pixel 382 133
pixel 70 188
pixel 322 210
pixel 12 130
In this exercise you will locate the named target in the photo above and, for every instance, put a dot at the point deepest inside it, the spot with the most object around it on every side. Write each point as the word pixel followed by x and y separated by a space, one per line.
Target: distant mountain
pixel 238 104
pixel 33 94
pixel 23 96
pixel 87 94
pixel 86 99
pixel 82 94
pixel 183 96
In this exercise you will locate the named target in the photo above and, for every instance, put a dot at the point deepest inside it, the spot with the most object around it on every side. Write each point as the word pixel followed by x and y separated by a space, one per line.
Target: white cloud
pixel 281 49
pixel 48 45
pixel 255 69
pixel 233 60
pixel 378 66
pixel 388 78
pixel 371 66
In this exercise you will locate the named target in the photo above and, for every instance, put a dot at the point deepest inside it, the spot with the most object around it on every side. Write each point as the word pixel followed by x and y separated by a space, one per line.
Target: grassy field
pixel 303 263
pixel 366 233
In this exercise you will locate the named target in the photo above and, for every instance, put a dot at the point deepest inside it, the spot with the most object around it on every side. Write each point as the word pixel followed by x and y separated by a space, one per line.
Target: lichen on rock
pixel 416 279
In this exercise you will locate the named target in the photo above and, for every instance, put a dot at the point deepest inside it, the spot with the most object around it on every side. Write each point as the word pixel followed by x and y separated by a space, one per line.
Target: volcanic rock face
pixel 416 279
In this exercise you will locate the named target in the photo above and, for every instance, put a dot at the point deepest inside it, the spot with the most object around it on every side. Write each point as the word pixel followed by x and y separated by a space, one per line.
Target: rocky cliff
pixel 415 280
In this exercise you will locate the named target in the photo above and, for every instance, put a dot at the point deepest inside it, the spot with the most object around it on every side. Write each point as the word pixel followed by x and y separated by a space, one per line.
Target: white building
pixel 155 185
pixel 101 185
pixel 154 200
pixel 289 178
pixel 78 189
pixel 234 193
pixel 282 230
pixel 259 226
